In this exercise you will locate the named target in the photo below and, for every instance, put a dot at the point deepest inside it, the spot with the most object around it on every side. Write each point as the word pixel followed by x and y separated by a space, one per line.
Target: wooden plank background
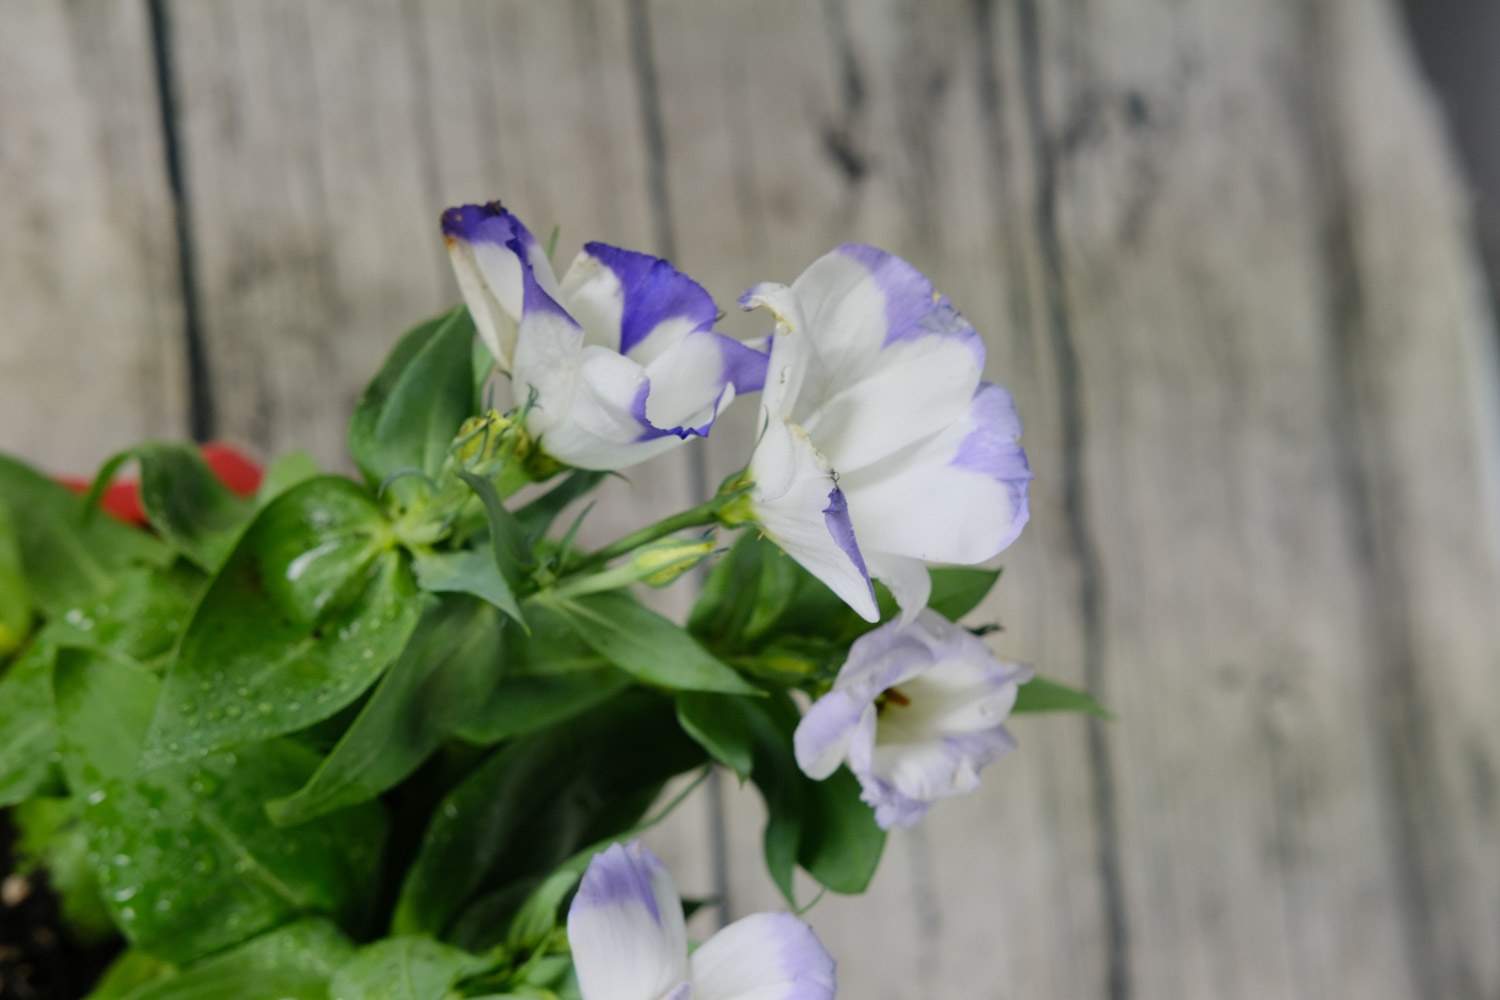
pixel 1218 252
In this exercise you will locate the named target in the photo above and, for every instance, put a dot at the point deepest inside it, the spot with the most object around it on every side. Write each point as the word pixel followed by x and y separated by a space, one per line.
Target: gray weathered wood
pixel 1217 252
pixel 90 314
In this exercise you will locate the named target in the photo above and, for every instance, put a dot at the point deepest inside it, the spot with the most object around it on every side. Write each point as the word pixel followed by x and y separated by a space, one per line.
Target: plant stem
pixel 697 517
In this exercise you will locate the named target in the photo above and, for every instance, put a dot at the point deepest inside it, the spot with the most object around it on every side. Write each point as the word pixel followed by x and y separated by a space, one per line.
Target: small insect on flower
pixel 629 942
pixel 916 711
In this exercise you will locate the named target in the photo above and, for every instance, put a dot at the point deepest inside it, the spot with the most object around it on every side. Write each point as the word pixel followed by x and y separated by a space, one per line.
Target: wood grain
pixel 91 356
pixel 1218 253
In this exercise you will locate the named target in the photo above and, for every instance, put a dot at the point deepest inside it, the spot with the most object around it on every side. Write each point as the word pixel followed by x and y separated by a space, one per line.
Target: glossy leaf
pixel 68 559
pixel 721 726
pixel 28 727
pixel 186 503
pixel 1042 695
pixel 448 669
pixel 311 607
pixel 141 617
pixel 467 571
pixel 405 968
pixel 525 703
pixel 188 862
pixel 646 645
pixel 957 590
pixel 534 802
pixel 15 595
pixel 412 410
pixel 294 962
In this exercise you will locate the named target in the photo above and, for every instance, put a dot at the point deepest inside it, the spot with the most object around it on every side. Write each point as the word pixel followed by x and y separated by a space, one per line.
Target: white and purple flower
pixel 627 934
pixel 882 447
pixel 618 362
pixel 916 711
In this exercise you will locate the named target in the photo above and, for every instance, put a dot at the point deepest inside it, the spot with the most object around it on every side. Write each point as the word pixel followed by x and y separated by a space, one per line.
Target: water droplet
pixel 163 905
pixel 187 707
pixel 95 797
pixel 121 860
pixel 265 708
pixel 294 706
pixel 367 653
pixel 127 914
pixel 125 894
pixel 234 711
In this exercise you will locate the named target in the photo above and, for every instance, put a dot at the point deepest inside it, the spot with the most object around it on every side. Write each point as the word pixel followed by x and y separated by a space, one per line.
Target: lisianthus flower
pixel 627 934
pixel 616 363
pixel 916 711
pixel 881 447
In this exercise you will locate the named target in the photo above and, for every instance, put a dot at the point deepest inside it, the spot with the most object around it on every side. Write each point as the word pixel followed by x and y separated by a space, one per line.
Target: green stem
pixel 698 517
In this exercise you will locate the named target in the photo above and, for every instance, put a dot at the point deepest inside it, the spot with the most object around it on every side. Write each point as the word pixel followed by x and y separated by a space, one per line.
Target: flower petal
pixel 489 248
pixel 822 737
pixel 957 497
pixel 792 357
pixel 766 956
pixel 638 304
pixel 801 507
pixel 625 927
pixel 904 780
pixel 907 579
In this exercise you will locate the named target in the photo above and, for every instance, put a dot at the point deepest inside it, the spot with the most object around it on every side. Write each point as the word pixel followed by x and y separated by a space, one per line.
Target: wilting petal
pixel 798 502
pixel 767 956
pixel 625 927
pixel 792 357
pixel 490 249
pixel 822 737
pixel 958 497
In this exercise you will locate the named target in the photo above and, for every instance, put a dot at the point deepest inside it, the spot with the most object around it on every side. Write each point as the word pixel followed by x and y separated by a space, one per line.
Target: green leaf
pixel 311 607
pixel 957 590
pixel 68 558
pixel 141 618
pixel 293 962
pixel 405 968
pixel 537 516
pixel 534 802
pixel 449 667
pixel 1042 695
pixel 467 571
pixel 411 412
pixel 287 471
pixel 15 595
pixel 646 645
pixel 720 725
pixel 129 972
pixel 52 836
pixel 525 703
pixel 186 503
pixel 28 726
pixel 512 551
pixel 187 860
pixel 823 826
pixel 533 906
pixel 841 845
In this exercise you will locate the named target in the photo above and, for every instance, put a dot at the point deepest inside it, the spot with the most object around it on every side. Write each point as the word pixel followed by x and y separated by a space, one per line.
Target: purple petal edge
pixel 487 223
pixel 654 291
pixel 836 517
pixel 620 875
pixel 912 308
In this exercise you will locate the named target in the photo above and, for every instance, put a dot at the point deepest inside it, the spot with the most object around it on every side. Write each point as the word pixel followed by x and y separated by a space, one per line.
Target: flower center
pixel 889 697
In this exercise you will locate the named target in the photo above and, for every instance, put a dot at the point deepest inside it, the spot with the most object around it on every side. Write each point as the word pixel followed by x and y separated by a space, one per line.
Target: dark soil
pixel 38 961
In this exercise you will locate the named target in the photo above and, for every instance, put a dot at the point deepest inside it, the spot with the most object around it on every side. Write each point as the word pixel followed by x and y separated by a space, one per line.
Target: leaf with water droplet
pixel 312 584
pixel 149 831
